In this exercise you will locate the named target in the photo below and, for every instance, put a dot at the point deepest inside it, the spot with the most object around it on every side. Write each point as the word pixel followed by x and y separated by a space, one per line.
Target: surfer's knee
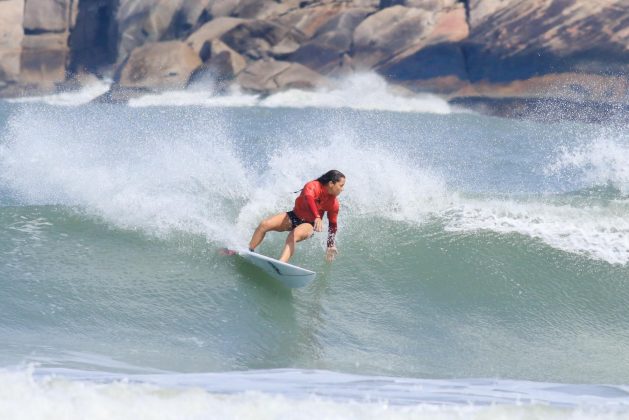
pixel 267 225
pixel 277 223
pixel 303 232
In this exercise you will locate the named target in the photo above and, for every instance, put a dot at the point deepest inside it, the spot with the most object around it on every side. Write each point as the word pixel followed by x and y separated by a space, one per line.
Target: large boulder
pixel 219 69
pixel 143 21
pixel 437 55
pixel 193 14
pixel 308 20
pixel 49 15
pixel 268 76
pixel 328 49
pixel 371 4
pixel 158 66
pixel 305 24
pixel 282 35
pixel 511 39
pixel 390 32
pixel 251 9
pixel 412 44
pixel 256 39
pixel 11 35
pixel 235 61
pixel 44 60
pixel 211 31
pixel 45 50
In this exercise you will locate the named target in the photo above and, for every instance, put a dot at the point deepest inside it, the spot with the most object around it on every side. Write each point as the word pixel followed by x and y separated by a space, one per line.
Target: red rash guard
pixel 313 201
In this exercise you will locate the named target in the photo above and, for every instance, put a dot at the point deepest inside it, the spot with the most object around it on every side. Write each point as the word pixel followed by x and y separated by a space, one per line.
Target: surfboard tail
pixel 227 252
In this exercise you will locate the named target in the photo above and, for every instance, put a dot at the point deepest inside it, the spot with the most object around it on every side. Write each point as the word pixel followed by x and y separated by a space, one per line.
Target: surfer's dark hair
pixel 333 176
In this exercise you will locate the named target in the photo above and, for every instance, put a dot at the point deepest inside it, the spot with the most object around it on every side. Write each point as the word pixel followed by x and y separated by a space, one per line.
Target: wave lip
pixel 598 232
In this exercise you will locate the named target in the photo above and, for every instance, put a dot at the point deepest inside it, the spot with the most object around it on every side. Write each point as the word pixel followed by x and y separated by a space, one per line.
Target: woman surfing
pixel 316 198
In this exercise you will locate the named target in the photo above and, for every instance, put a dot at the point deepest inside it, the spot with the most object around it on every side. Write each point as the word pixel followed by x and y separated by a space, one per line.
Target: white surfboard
pixel 287 274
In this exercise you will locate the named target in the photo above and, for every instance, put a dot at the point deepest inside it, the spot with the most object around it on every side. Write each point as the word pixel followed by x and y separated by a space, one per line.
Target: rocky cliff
pixel 560 49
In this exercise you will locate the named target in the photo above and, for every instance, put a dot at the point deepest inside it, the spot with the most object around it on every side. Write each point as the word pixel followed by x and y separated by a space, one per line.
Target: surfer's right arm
pixel 312 205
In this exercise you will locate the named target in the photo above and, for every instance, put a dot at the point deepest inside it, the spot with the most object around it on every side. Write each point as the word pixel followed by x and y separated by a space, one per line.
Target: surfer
pixel 316 198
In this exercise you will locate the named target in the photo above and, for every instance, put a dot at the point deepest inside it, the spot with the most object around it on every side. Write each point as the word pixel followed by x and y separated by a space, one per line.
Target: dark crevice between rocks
pixel 466 4
pixel 42 31
pixel 429 62
pixel 94 39
pixel 466 60
pixel 383 4
pixel 204 18
pixel 179 27
pixel 462 46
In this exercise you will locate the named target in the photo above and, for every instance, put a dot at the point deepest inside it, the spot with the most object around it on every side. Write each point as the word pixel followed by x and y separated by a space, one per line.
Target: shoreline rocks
pixel 556 50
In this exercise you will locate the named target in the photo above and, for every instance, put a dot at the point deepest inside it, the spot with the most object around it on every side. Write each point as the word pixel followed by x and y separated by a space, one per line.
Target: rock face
pixel 329 48
pixel 11 35
pixel 161 65
pixel 517 40
pixel 220 68
pixel 268 76
pixel 48 15
pixel 144 21
pixel 253 39
pixel 212 31
pixel 458 48
pixel 45 50
pixel 387 33
pixel 412 44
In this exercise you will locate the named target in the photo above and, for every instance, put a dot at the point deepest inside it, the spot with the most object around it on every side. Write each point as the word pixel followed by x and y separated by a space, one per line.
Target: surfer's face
pixel 335 188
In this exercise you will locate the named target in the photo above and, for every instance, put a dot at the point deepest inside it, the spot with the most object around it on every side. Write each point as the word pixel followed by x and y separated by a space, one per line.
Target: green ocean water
pixel 470 246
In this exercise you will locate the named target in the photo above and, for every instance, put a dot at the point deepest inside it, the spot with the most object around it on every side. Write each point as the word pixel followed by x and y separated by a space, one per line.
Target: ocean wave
pixel 73 98
pixel 599 232
pixel 193 175
pixel 366 92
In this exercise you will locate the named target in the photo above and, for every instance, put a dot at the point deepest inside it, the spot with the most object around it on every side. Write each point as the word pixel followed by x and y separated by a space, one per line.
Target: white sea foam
pixel 604 160
pixel 82 96
pixel 189 176
pixel 196 98
pixel 369 92
pixel 158 185
pixel 597 232
pixel 363 92
pixel 24 395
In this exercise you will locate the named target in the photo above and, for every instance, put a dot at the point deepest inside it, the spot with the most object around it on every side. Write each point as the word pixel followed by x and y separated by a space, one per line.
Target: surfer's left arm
pixel 331 251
